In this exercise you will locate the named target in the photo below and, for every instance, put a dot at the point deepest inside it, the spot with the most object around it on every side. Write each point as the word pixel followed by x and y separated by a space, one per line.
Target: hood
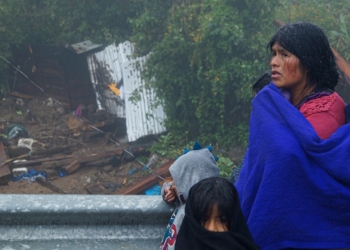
pixel 190 168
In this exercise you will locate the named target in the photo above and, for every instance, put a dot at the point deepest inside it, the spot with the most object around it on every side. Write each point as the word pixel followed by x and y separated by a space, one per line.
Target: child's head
pixel 213 202
pixel 190 168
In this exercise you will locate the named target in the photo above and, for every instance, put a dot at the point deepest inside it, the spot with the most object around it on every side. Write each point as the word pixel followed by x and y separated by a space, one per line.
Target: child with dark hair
pixel 190 168
pixel 213 218
pixel 266 79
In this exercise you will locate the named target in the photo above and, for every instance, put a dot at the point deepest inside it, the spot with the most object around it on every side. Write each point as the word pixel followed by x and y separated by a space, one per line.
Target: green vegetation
pixel 205 56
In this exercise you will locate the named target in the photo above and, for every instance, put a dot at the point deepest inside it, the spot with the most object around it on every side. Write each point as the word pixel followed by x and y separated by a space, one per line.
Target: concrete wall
pixel 82 222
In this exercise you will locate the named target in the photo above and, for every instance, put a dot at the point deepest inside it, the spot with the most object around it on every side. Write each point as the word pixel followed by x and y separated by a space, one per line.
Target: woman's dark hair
pixel 214 191
pixel 263 80
pixel 311 46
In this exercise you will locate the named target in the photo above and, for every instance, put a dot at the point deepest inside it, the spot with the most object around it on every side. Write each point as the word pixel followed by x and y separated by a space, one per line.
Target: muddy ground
pixel 45 122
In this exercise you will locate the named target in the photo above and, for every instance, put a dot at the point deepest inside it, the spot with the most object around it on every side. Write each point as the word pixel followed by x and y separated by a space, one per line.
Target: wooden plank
pixel 82 124
pixel 41 160
pixel 49 185
pixel 8 161
pixel 16 94
pixel 5 171
pixel 147 181
pixel 72 167
pixel 53 163
pixel 18 122
pixel 15 151
pixel 96 188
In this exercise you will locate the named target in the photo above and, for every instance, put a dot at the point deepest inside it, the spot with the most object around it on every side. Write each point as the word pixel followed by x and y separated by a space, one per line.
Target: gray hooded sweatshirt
pixel 186 171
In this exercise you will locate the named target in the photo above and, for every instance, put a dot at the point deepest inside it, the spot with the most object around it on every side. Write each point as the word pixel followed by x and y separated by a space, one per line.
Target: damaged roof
pixel 83 47
pixel 115 65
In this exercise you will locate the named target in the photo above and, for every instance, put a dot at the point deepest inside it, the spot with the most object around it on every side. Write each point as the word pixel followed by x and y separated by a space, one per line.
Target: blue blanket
pixel 294 187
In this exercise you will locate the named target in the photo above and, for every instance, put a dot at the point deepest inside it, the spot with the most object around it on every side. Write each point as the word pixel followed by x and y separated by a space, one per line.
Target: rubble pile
pixel 45 148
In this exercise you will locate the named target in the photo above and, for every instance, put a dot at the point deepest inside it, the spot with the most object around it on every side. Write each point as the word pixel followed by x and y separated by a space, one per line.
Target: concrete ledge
pixel 82 221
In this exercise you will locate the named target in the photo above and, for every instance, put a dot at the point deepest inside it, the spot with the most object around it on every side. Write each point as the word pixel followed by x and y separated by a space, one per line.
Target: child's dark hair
pixel 210 192
pixel 263 80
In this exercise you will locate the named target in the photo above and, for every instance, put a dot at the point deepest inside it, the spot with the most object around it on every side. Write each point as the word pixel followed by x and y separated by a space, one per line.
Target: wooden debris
pixel 71 167
pixel 18 122
pixel 15 151
pixel 51 174
pixel 96 188
pixel 16 94
pixel 147 181
pixel 49 151
pixel 77 125
pixel 110 186
pixel 59 163
pixel 5 172
pixel 49 185
pixel 8 161
pixel 40 160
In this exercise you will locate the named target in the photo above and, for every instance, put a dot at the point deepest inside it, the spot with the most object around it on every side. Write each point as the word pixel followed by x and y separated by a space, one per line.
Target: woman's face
pixel 214 221
pixel 286 69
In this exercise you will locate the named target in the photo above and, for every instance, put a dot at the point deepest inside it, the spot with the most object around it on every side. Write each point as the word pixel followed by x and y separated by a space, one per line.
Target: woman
pixel 213 218
pixel 295 182
pixel 306 67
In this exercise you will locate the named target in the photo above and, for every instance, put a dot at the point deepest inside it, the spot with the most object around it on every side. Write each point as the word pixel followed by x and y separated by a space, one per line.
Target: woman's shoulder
pixel 327 103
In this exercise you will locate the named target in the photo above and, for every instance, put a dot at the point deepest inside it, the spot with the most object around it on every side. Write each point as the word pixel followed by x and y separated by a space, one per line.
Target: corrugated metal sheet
pixel 105 68
pixel 142 118
pixel 83 47
pixel 114 64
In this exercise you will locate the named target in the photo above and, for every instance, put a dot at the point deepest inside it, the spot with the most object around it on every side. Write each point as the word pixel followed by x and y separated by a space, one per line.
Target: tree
pixel 60 22
pixel 205 56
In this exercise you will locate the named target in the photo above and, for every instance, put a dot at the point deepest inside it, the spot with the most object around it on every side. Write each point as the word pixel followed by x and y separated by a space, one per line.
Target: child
pixel 187 170
pixel 213 218
pixel 264 80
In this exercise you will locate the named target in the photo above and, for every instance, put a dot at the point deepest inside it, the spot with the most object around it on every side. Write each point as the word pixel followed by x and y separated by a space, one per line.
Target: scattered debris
pixel 148 181
pixel 78 155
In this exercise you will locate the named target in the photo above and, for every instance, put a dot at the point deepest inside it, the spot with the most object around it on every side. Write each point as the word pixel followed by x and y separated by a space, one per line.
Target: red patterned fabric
pixel 326 114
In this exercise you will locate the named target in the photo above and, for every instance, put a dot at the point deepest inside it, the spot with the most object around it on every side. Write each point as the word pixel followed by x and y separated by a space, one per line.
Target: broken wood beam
pixel 40 160
pixel 53 150
pixel 96 188
pixel 15 151
pixel 49 185
pixel 54 162
pixel 147 181
pixel 20 95
pixel 72 167
pixel 8 161
pixel 82 124
pixel 18 122
pixel 5 172
pixel 80 159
